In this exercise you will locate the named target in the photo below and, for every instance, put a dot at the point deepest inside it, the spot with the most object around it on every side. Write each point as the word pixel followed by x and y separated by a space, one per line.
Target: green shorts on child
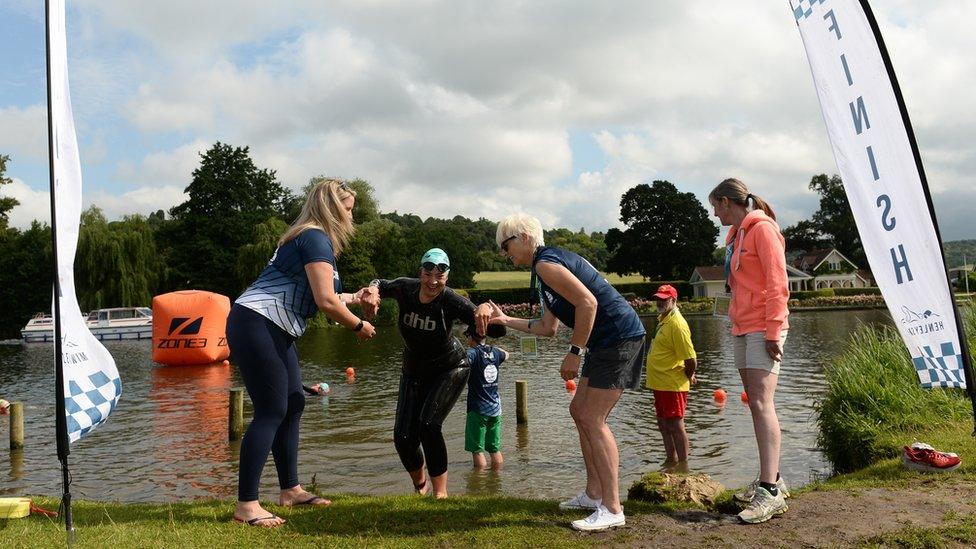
pixel 482 433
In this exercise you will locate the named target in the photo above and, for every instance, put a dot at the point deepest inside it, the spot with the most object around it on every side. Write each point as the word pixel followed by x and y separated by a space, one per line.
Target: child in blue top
pixel 483 429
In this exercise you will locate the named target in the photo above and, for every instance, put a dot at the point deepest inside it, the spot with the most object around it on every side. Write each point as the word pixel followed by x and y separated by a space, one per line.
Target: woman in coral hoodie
pixel 755 267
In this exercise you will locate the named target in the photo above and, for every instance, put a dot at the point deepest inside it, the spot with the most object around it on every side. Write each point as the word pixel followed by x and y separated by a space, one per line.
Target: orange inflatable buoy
pixel 720 395
pixel 190 327
pixel 570 385
pixel 744 397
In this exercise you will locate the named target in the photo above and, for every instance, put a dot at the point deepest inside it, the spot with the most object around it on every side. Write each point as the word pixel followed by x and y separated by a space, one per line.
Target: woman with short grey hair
pixel 607 341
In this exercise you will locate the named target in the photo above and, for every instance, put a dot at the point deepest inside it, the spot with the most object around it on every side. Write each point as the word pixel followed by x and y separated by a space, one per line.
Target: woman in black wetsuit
pixel 435 364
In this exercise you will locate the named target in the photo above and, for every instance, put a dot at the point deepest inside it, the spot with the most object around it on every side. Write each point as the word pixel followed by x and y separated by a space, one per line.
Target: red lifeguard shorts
pixel 670 404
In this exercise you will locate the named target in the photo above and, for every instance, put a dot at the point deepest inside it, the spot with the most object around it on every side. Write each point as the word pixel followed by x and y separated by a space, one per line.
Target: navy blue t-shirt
pixel 282 292
pixel 615 318
pixel 483 381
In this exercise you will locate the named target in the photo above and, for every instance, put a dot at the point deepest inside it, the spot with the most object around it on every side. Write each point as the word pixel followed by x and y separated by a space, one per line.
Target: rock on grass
pixel 656 487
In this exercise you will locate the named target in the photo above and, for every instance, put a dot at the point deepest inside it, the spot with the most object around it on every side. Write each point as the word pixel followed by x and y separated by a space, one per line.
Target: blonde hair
pixel 323 209
pixel 737 193
pixel 517 224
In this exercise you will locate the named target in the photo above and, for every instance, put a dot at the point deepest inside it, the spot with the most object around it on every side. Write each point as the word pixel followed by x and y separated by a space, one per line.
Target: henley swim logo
pixel 415 321
pixel 924 322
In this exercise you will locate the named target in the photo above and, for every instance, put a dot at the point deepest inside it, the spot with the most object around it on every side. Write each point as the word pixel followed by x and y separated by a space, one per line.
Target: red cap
pixel 666 291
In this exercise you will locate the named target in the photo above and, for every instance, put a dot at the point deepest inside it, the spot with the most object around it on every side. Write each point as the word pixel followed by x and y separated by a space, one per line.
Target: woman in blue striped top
pixel 300 279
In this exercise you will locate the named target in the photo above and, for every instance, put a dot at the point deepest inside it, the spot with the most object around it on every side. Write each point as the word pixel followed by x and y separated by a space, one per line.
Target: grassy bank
pixel 352 521
pixel 875 405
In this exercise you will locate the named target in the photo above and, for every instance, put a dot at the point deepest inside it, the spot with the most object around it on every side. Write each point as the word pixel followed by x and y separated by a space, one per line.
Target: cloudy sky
pixel 469 107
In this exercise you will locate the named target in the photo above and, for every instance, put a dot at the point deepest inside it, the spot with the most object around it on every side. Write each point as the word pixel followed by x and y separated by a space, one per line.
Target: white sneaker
pixel 580 501
pixel 746 495
pixel 601 519
pixel 763 507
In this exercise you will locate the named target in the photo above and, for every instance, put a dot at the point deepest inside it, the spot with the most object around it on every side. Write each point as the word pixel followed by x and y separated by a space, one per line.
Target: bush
pixel 825 292
pixel 646 289
pixel 875 404
pixel 857 291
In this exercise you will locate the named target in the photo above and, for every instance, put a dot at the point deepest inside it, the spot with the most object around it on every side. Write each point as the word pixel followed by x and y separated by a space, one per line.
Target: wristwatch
pixel 578 351
pixel 374 282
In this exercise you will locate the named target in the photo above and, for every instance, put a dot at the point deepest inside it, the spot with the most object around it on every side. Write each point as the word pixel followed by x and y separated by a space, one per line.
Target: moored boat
pixel 112 324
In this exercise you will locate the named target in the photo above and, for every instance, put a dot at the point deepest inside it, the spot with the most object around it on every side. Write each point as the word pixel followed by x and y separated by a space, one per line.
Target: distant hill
pixel 957 249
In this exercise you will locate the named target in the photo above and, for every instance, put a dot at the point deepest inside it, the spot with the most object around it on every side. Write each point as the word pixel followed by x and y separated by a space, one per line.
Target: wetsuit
pixel 435 370
pixel 262 328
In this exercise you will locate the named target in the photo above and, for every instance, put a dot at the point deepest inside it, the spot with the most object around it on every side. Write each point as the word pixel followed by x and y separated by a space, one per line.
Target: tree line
pixel 222 236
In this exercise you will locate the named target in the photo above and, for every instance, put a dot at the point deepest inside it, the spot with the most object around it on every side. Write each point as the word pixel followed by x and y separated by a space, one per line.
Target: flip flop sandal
pixel 313 501
pixel 255 521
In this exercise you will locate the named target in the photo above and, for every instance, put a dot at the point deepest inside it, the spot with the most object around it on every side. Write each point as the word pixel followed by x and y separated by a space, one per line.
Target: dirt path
pixel 817 519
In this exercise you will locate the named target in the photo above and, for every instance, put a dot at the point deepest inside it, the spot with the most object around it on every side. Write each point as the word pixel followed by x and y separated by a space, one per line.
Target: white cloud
pixel 142 200
pixel 34 205
pixel 23 132
pixel 467 107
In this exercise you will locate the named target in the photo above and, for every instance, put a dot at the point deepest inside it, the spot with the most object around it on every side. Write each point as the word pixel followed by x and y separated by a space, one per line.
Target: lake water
pixel 167 440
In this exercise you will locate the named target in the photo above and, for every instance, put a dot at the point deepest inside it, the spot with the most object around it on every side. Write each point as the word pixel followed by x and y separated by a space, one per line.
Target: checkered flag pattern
pixel 940 369
pixel 89 401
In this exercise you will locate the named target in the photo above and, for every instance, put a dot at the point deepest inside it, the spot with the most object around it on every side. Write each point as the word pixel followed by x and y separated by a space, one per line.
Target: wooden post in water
pixel 16 426
pixel 235 423
pixel 522 402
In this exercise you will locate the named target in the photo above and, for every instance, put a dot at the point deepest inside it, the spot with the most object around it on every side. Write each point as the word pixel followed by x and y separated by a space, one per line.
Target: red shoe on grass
pixel 919 457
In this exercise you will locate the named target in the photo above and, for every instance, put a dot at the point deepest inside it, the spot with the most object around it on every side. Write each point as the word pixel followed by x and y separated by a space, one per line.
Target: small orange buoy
pixel 570 384
pixel 720 395
pixel 744 397
pixel 350 371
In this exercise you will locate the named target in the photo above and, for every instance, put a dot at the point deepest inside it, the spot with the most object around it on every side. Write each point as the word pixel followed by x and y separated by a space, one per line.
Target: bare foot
pixel 252 514
pixel 299 496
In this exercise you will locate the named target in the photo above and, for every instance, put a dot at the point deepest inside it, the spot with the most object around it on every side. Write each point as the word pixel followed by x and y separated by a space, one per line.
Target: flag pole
pixel 60 421
pixel 967 361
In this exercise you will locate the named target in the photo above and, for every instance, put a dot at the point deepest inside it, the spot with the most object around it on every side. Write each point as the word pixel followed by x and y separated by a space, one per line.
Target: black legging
pixel 423 404
pixel 266 358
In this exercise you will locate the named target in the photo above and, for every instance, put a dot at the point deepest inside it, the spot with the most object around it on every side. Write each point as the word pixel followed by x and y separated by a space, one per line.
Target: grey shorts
pixel 749 351
pixel 616 367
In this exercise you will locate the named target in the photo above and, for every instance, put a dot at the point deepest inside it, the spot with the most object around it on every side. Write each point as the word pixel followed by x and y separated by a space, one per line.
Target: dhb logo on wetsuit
pixel 415 321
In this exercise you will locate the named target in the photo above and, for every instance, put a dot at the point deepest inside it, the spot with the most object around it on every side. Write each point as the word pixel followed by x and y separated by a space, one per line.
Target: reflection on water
pixel 167 440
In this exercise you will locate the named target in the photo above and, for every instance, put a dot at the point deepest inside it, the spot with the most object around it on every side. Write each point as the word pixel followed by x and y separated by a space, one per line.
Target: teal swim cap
pixel 436 256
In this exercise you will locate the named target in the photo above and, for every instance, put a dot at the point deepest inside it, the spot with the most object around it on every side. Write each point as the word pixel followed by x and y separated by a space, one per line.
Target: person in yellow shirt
pixel 671 367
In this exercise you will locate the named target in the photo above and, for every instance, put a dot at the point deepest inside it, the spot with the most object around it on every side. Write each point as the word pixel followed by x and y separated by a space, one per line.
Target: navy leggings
pixel 266 358
pixel 423 405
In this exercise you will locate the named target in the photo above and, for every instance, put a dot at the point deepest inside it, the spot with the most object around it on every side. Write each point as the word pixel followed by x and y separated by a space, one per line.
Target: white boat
pixel 105 324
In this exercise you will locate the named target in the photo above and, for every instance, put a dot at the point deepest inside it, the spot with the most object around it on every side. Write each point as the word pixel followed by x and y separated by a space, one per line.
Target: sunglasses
pixel 504 244
pixel 439 267
pixel 343 186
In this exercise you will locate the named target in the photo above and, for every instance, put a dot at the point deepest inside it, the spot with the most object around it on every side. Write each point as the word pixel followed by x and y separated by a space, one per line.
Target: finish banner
pixel 90 378
pixel 875 150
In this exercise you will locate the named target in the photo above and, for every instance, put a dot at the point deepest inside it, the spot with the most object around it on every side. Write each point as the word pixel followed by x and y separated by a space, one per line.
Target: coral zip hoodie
pixel 757 277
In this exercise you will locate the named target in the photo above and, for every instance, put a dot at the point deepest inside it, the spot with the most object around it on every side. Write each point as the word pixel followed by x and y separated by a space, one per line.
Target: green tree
pixel 228 197
pixel 254 256
pixel 7 203
pixel 805 236
pixel 834 218
pixel 25 276
pixel 116 264
pixel 668 233
pixel 591 246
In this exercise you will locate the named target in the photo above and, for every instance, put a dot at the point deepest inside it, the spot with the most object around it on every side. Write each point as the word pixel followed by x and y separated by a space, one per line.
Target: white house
pixel 830 269
pixel 709 281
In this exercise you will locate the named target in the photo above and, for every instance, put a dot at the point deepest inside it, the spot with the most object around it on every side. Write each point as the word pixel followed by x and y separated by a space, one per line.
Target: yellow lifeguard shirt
pixel 670 348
